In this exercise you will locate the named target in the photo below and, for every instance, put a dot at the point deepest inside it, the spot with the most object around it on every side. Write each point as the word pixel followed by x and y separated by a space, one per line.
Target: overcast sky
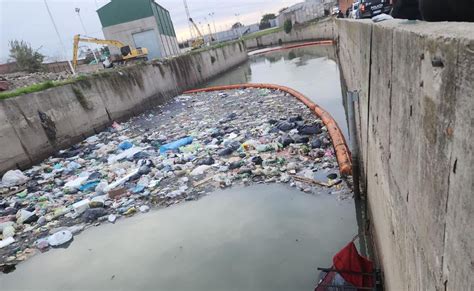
pixel 28 19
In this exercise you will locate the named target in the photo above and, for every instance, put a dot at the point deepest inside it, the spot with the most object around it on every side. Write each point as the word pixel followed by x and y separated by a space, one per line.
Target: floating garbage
pixel 14 178
pixel 173 146
pixel 60 238
pixel 6 242
pixel 169 155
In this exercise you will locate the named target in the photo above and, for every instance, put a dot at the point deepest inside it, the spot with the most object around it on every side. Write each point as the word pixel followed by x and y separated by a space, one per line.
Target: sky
pixel 28 20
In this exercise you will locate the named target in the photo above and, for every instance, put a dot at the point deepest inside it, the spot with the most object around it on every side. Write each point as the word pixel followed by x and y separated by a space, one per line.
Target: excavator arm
pixel 195 27
pixel 78 38
pixel 200 40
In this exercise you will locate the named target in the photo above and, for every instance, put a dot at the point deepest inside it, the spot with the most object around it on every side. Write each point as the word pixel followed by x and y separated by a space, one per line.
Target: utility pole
pixel 59 37
pixel 213 21
pixel 85 31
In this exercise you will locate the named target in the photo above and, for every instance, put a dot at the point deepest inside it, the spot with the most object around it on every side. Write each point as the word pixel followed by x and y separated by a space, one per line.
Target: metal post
pixel 360 203
pixel 353 96
pixel 59 37
pixel 213 21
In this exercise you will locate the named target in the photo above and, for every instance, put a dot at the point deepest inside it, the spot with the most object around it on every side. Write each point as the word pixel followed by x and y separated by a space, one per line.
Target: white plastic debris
pixel 93 139
pixel 5 224
pixel 14 178
pixel 8 231
pixel 144 208
pixel 60 238
pixel 120 181
pixel 81 206
pixel 22 215
pixel 101 187
pixel 144 181
pixel 112 218
pixel 124 155
pixel 77 183
pixel 6 242
pixel 75 229
pixel 200 170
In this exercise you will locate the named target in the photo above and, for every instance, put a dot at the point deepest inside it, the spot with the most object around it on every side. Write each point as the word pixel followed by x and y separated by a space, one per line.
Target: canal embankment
pixel 414 122
pixel 34 126
pixel 414 125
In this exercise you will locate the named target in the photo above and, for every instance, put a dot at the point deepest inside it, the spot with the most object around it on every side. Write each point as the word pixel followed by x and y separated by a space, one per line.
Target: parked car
pixel 354 10
pixel 371 8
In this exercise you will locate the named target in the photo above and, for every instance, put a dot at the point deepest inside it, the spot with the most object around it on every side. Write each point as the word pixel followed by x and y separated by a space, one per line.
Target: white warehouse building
pixel 140 24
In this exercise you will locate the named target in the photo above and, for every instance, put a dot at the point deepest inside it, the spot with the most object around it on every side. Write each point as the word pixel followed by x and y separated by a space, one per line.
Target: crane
pixel 199 41
pixel 128 53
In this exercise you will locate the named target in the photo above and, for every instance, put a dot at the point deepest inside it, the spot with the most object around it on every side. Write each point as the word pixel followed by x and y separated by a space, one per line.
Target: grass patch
pixel 40 87
pixel 27 90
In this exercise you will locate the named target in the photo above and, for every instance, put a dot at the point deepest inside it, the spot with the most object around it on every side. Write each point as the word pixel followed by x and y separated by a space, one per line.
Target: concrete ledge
pixel 322 30
pixel 415 123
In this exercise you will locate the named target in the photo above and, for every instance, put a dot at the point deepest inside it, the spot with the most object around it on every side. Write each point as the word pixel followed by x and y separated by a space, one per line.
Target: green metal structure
pixel 122 11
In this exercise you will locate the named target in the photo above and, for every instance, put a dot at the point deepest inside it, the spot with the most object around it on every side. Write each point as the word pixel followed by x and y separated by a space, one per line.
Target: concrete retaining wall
pixel 34 126
pixel 324 29
pixel 415 124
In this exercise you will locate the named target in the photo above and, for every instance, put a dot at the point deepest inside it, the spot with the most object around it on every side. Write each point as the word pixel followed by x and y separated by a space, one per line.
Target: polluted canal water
pixel 310 70
pixel 265 230
pixel 264 237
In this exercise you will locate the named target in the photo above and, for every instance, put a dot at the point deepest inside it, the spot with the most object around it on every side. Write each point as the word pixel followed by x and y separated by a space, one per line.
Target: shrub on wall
pixel 288 26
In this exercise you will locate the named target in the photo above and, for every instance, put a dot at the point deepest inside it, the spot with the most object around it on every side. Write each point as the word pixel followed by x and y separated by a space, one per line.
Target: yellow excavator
pixel 128 53
pixel 199 41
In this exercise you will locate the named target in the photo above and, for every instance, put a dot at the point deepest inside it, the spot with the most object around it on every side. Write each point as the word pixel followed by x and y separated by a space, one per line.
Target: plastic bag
pixel 176 144
pixel 60 238
pixel 14 178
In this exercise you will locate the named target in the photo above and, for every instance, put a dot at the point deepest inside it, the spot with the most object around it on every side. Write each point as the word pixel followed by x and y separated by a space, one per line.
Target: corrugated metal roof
pixel 121 11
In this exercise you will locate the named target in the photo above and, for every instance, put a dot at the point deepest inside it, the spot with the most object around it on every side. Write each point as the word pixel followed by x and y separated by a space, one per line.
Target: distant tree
pixel 237 25
pixel 265 22
pixel 25 57
pixel 288 26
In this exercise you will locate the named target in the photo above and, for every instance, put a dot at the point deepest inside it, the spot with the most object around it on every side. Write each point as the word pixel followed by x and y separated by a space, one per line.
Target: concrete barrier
pixel 322 30
pixel 415 119
pixel 34 126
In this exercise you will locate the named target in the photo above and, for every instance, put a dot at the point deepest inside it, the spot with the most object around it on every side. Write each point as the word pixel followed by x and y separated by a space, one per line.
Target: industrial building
pixel 139 23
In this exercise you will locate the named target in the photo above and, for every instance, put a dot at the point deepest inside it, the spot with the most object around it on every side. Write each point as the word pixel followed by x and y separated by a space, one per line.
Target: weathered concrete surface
pixel 415 118
pixel 324 29
pixel 34 126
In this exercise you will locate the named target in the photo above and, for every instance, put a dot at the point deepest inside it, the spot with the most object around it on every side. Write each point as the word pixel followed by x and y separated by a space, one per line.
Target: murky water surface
pixel 309 70
pixel 263 237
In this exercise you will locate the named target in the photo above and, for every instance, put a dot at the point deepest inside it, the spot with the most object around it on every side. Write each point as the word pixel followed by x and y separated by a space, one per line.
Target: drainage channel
pixel 259 237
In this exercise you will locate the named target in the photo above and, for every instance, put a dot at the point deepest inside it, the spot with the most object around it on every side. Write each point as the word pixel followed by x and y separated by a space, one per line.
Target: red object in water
pixel 3 86
pixel 349 260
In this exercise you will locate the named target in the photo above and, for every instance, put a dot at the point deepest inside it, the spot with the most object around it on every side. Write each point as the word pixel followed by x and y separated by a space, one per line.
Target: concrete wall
pixel 324 29
pixel 415 124
pixel 415 127
pixel 34 126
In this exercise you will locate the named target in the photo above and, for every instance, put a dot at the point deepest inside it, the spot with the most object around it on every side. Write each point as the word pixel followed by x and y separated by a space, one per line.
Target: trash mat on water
pixel 176 152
